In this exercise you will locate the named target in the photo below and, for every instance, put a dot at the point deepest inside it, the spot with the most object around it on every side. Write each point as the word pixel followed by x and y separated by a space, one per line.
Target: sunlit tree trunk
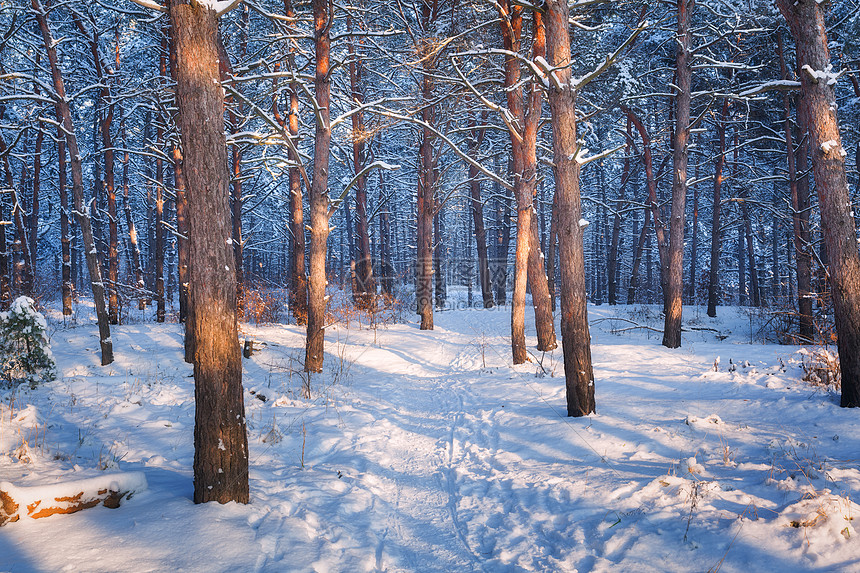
pixel 319 199
pixel 426 188
pixel 674 266
pixel 576 339
pixel 220 439
pixel 818 102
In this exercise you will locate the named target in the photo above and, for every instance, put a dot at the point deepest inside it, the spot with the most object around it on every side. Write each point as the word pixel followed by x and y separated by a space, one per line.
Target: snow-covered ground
pixel 428 451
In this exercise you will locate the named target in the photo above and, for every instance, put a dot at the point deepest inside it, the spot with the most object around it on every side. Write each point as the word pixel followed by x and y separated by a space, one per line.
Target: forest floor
pixel 428 451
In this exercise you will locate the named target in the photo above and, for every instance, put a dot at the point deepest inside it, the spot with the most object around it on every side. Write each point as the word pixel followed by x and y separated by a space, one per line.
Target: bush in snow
pixel 25 354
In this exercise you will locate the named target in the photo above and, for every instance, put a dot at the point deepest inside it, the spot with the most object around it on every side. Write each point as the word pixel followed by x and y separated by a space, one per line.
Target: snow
pixel 427 451
pixel 827 74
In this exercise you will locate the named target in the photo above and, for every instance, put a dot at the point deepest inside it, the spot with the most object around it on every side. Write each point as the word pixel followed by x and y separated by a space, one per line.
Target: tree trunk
pixel 298 279
pixel 319 191
pixel 365 283
pixel 426 192
pixel 818 97
pixel 33 230
pixel 220 439
pixel 182 231
pixel 659 230
pixel 159 229
pixel 616 221
pixel 528 268
pixel 65 241
pixel 386 274
pixel 5 211
pixel 439 286
pixel 551 251
pixel 755 293
pixel 637 258
pixel 113 239
pixel 5 286
pixel 22 255
pixel 714 271
pixel 65 117
pixel 674 266
pixel 576 340
pixel 137 268
pixel 477 137
pixel 800 214
pixel 503 247
pixel 694 247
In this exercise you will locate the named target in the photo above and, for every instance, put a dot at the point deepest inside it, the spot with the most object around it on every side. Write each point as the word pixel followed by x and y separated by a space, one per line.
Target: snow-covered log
pixel 17 502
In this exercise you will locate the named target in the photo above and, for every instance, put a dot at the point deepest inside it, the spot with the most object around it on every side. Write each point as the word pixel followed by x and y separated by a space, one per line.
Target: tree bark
pixel 475 140
pixel 637 258
pixel 65 241
pixel 714 271
pixel 551 251
pixel 113 239
pixel 674 266
pixel 365 282
pixel 298 280
pixel 33 231
pixel 65 117
pixel 319 199
pixel 659 229
pixel 426 189
pixel 806 20
pixel 755 292
pixel 800 214
pixel 616 221
pixel 528 267
pixel 182 231
pixel 220 439
pixel 576 339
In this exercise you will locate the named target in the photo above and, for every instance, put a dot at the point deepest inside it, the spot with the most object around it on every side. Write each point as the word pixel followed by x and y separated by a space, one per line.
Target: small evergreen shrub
pixel 25 353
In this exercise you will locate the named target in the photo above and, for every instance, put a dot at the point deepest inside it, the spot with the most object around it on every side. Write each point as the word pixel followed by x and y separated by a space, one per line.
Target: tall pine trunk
pixel 477 208
pixel 576 339
pixel 714 271
pixel 426 189
pixel 65 241
pixel 818 97
pixel 799 192
pixel 674 266
pixel 65 117
pixel 220 438
pixel 365 282
pixel 319 200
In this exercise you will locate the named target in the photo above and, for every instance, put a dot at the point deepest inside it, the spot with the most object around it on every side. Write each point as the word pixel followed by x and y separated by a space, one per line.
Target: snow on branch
pixel 151 5
pixel 375 165
pixel 384 112
pixel 580 83
pixel 581 152
pixel 220 7
pixel 777 85
pixel 826 75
